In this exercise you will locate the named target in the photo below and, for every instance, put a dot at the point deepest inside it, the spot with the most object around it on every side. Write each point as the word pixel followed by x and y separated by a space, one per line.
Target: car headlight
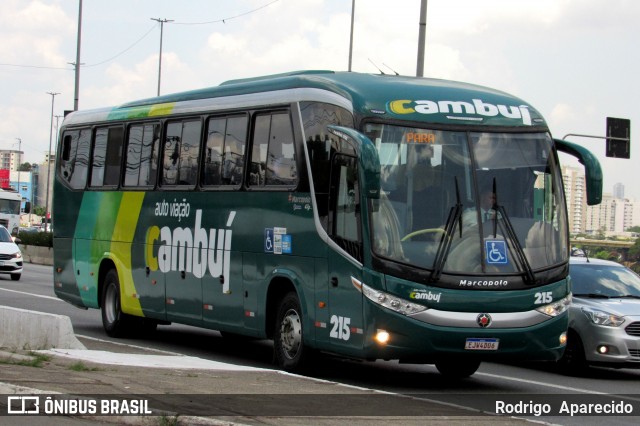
pixel 556 308
pixel 387 300
pixel 17 255
pixel 602 317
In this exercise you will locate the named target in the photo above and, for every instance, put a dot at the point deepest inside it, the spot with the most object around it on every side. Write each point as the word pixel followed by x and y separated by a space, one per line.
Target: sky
pixel 575 61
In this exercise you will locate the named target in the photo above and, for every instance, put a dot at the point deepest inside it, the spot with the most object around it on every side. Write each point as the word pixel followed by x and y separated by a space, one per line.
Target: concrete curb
pixel 29 330
pixel 36 254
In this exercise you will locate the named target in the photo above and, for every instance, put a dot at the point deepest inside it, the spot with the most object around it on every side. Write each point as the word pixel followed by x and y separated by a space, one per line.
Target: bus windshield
pixel 468 202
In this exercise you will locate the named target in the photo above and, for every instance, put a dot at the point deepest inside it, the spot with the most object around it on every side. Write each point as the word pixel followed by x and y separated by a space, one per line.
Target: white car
pixel 10 255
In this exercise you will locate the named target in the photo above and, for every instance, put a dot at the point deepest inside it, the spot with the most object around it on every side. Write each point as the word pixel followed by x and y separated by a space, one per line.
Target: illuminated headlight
pixel 396 304
pixel 602 317
pixel 556 308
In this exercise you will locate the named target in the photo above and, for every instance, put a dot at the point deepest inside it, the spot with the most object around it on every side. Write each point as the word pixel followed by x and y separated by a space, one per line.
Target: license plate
pixel 481 344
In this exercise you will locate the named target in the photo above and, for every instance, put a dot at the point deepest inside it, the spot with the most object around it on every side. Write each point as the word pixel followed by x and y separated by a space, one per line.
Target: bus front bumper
pixel 414 340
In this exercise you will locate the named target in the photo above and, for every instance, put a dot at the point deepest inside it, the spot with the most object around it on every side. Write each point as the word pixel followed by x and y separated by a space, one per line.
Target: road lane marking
pixel 31 294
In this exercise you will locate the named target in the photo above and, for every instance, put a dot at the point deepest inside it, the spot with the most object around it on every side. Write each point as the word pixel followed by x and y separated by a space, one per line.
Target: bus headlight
pixel 386 300
pixel 556 308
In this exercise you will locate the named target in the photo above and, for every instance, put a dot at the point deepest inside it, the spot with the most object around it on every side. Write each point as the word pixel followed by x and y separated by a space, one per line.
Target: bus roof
pixel 367 95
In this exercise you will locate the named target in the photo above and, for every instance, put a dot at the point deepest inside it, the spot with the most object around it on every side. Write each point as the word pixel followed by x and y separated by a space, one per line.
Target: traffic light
pixel 620 129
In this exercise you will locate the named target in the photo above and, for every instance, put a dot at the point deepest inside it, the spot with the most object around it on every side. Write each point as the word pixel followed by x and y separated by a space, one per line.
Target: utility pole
pixel 162 22
pixel 46 203
pixel 422 35
pixel 77 63
pixel 353 11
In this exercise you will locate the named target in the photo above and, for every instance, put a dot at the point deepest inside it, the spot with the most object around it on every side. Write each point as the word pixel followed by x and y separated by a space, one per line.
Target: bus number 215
pixel 340 329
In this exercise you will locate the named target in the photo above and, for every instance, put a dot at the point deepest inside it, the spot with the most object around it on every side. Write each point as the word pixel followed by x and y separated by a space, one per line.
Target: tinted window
pixel 75 157
pixel 181 146
pixel 224 152
pixel 273 159
pixel 345 203
pixel 142 155
pixel 107 153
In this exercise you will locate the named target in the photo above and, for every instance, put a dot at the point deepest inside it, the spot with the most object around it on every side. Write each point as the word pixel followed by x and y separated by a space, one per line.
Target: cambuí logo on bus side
pixel 460 110
pixel 191 249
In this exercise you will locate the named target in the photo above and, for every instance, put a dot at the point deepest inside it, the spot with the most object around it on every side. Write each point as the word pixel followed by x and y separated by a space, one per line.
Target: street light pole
pixel 162 22
pixel 77 64
pixel 46 204
pixel 422 35
pixel 19 151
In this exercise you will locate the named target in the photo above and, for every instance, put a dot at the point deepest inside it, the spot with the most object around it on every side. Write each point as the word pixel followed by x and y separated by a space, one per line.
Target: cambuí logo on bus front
pixel 195 249
pixel 475 110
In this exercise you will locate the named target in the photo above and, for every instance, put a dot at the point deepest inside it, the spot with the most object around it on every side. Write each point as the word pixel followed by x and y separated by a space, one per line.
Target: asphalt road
pixel 527 382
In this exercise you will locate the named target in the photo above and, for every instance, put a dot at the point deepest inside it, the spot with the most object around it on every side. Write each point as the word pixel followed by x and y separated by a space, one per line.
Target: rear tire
pixel 288 341
pixel 115 323
pixel 458 368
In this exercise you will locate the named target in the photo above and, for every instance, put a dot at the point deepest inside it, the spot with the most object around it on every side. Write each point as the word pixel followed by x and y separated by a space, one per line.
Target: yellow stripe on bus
pixel 123 232
pixel 161 109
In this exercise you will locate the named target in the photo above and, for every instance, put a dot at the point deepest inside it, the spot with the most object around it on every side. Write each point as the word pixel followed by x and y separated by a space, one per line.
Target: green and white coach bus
pixel 369 216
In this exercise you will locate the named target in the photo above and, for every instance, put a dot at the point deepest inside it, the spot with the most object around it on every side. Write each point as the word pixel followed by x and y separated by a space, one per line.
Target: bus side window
pixel 75 157
pixel 142 155
pixel 181 147
pixel 344 203
pixel 224 152
pixel 273 160
pixel 107 153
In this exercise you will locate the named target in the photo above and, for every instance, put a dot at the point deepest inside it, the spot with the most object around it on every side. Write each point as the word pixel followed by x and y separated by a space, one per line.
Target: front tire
pixel 458 368
pixel 15 277
pixel 573 359
pixel 288 342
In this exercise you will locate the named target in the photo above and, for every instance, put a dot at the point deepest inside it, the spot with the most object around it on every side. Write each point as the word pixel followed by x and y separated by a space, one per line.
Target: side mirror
pixel 27 207
pixel 593 171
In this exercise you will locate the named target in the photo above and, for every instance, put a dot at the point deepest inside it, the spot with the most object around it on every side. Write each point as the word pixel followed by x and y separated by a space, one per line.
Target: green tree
pixel 39 210
pixel 634 229
pixel 24 167
pixel 634 251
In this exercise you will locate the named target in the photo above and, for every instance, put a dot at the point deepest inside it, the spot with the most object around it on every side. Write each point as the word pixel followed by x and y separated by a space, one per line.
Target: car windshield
pixel 468 202
pixel 5 237
pixel 606 280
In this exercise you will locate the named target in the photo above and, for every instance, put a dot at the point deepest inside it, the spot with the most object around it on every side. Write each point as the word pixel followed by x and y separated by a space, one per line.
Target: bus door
pixel 346 325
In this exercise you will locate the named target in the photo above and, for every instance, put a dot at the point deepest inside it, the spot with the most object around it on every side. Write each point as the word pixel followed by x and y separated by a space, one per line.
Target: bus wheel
pixel 573 360
pixel 113 320
pixel 458 368
pixel 288 342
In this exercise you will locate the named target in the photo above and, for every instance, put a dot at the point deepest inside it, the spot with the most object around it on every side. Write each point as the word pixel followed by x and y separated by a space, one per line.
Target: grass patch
pixel 81 366
pixel 168 421
pixel 37 360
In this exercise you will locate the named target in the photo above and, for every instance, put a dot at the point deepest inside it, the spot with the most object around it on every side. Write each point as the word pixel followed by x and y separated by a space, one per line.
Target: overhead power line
pixel 224 20
pixel 217 21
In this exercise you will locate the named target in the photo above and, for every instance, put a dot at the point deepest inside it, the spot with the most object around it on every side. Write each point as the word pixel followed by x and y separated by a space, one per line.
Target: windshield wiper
pixel 529 277
pixel 455 216
pixel 592 295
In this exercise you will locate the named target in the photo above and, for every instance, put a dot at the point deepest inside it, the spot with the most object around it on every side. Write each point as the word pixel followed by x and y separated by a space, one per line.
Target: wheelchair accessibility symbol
pixel 496 251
